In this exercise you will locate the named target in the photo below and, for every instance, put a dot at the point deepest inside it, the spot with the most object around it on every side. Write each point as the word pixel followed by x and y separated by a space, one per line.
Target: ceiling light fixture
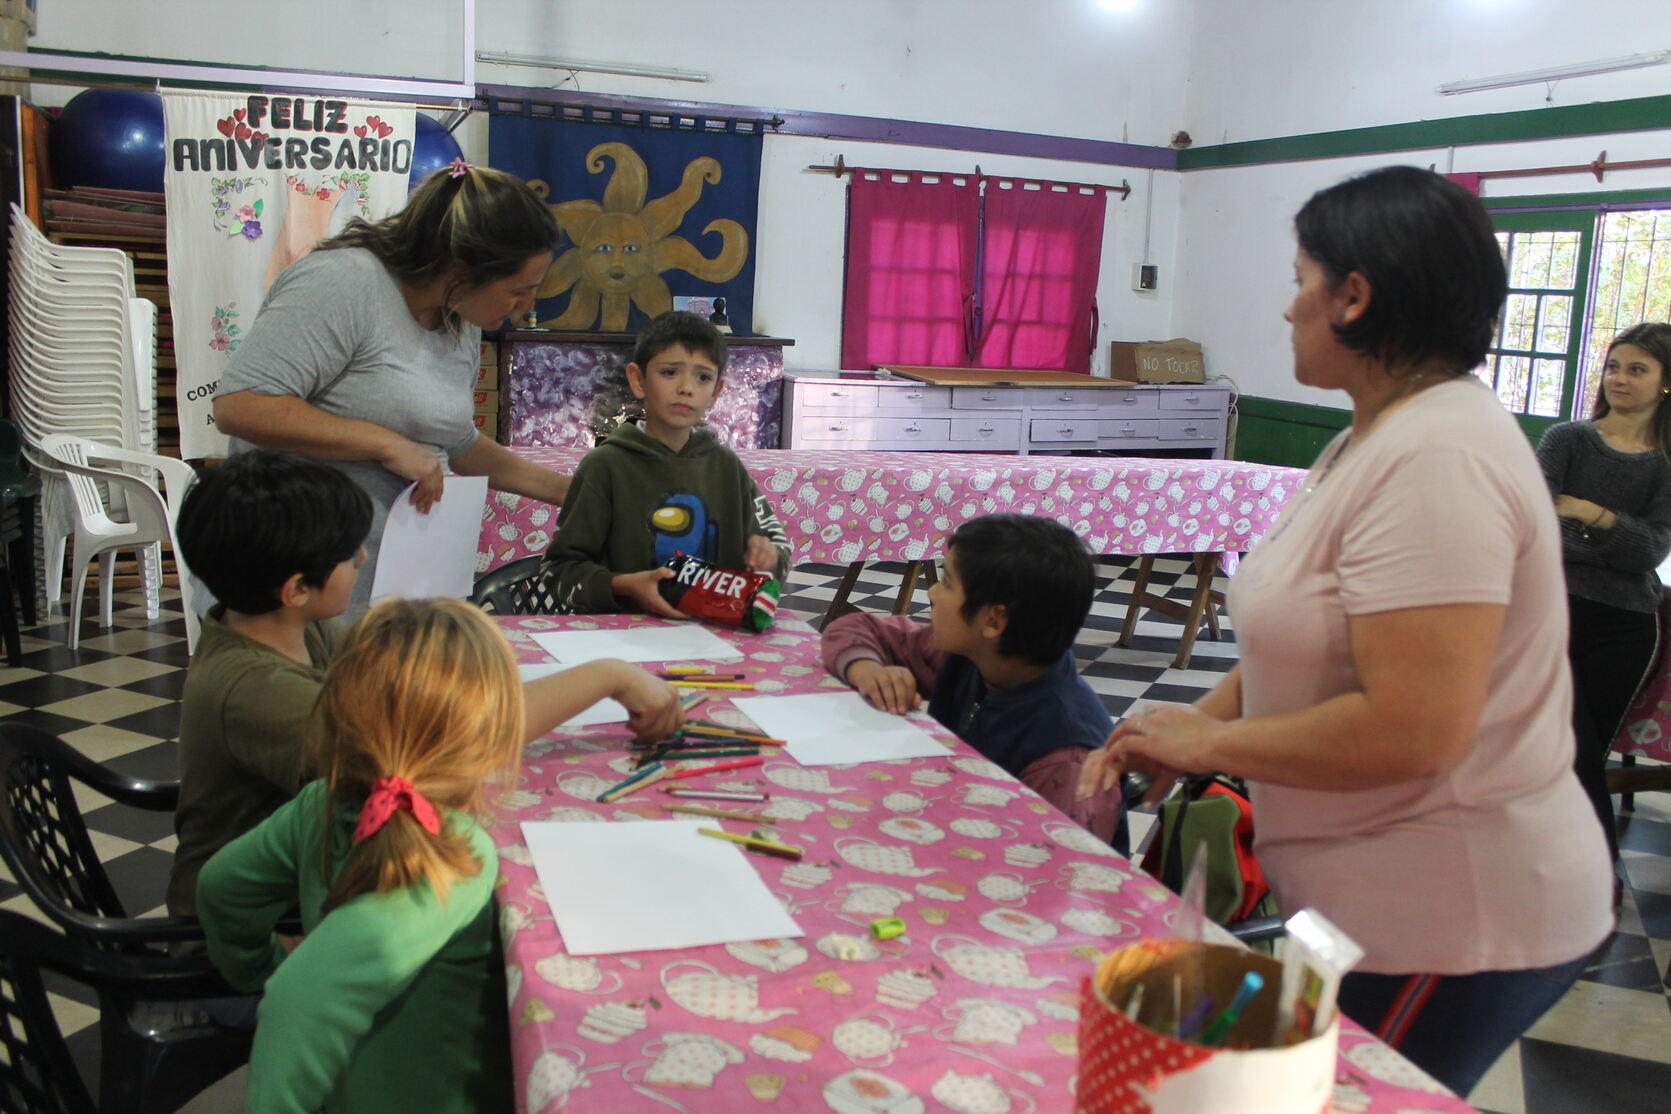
pixel 1556 73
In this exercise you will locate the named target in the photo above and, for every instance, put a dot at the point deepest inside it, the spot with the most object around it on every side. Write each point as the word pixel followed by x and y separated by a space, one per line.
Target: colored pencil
pixel 718 767
pixel 721 752
pixel 689 702
pixel 764 846
pixel 713 794
pixel 734 685
pixel 642 773
pixel 684 670
pixel 723 814
pixel 712 726
pixel 699 676
pixel 731 733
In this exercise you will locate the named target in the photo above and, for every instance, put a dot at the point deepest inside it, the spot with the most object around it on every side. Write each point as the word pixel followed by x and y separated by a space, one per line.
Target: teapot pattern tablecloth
pixel 1007 905
pixel 844 506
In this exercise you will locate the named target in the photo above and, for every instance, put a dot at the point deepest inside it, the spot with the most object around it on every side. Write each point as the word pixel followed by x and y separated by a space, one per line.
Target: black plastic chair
pixel 158 1046
pixel 519 588
pixel 18 490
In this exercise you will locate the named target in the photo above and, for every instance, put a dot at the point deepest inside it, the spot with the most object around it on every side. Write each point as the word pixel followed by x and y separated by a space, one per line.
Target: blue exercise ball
pixel 434 148
pixel 110 138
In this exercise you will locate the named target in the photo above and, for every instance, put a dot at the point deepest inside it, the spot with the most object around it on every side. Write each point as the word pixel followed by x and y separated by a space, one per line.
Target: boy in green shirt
pixel 662 486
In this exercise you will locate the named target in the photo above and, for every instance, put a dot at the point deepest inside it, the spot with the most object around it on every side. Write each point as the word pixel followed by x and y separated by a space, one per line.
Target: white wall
pixel 1287 67
pixel 1236 245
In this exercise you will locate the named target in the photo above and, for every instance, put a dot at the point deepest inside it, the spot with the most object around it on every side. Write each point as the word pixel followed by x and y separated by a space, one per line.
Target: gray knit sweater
pixel 1617 566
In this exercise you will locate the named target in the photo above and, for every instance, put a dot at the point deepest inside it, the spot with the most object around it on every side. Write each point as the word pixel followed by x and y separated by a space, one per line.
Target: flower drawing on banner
pixel 224 331
pixel 358 183
pixel 232 215
pixel 623 245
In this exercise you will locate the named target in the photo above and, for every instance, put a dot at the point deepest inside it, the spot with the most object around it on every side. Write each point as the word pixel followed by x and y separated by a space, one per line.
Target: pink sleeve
pixel 889 639
pixel 1443 526
pixel 1055 777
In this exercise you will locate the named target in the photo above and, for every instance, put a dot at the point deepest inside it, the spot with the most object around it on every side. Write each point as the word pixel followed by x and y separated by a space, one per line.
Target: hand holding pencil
pixel 653 708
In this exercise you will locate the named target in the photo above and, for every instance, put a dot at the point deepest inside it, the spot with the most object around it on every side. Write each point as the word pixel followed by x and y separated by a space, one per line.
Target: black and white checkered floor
pixel 1606 1047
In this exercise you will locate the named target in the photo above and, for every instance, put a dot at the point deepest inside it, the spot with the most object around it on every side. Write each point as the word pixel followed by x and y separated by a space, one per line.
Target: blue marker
pixel 1252 983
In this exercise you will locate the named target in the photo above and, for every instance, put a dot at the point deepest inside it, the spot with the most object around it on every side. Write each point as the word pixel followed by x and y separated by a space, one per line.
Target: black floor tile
pixel 163 721
pixel 1564 1079
pixel 47 721
pixel 1625 961
pixel 1122 671
pixel 45 689
pixel 54 659
pixel 175 653
pixel 138 824
pixel 156 763
pixel 1638 833
pixel 1177 694
pixel 69 988
pixel 140 878
pixel 1655 910
pixel 169 686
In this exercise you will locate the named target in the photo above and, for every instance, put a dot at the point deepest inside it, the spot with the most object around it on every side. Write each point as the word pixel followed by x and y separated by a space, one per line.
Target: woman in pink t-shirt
pixel 1402 707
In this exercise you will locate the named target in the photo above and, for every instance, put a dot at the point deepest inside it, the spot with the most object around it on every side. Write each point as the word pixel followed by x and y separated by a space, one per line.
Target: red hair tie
pixel 388 796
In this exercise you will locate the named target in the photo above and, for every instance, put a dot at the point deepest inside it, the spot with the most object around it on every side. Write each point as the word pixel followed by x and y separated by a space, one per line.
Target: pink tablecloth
pixel 1647 726
pixel 845 506
pixel 1007 905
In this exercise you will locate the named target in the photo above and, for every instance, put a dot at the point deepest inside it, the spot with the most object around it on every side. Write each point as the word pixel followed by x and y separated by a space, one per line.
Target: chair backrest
pixel 37 1074
pixel 519 588
pixel 145 505
pixel 43 838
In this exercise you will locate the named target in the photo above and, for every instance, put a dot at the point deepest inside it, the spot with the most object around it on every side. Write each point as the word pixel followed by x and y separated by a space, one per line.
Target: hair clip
pixel 458 168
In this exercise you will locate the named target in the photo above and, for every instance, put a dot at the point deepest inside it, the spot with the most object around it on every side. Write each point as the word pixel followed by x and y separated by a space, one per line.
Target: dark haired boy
pixel 661 486
pixel 277 539
pixel 995 659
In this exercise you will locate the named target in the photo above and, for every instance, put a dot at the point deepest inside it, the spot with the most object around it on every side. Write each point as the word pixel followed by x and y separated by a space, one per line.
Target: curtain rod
pixel 1599 167
pixel 841 166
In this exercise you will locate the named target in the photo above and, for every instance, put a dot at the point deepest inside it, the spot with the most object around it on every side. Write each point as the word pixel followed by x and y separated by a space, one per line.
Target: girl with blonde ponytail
pixel 395 998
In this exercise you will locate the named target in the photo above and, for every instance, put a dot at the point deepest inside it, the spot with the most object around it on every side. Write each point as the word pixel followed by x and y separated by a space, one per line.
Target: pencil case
pixel 733 597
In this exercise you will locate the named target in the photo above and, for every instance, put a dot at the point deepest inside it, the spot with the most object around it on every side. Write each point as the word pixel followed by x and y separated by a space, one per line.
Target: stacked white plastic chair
pixel 82 362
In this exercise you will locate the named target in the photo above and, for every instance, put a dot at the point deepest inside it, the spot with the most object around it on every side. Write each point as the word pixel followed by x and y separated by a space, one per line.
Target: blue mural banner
pixel 648 214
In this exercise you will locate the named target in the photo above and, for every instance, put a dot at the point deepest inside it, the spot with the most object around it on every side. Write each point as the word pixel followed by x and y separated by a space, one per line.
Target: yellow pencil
pixel 764 846
pixel 711 685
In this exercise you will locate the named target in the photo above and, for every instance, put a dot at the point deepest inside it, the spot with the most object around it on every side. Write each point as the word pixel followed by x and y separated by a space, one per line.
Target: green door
pixel 1533 360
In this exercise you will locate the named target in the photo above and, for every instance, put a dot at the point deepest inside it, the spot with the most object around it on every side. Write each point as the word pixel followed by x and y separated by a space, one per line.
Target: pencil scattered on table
pixel 713 794
pixel 738 685
pixel 718 767
pixel 699 675
pixel 642 777
pixel 723 814
pixel 753 843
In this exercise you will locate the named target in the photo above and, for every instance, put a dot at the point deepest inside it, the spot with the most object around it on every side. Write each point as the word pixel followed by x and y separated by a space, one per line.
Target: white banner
pixel 252 184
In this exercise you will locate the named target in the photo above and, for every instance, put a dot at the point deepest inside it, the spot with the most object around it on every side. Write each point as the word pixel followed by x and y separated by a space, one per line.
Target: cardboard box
pixel 1157 361
pixel 486 402
pixel 487 378
pixel 487 423
pixel 490 354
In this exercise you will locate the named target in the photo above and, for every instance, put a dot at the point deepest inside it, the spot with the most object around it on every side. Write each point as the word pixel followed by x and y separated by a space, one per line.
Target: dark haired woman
pixel 1611 478
pixel 365 349
pixel 1400 708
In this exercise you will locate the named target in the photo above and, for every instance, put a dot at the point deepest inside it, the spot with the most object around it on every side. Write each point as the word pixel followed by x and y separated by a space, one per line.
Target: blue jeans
pixel 1455 1026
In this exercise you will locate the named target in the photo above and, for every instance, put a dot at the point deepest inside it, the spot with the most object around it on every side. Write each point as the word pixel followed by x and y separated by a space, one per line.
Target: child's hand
pixel 639 588
pixel 761 555
pixel 652 704
pixel 891 688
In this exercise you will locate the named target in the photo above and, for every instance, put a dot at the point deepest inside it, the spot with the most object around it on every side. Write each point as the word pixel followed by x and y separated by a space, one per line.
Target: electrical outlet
pixel 1145 276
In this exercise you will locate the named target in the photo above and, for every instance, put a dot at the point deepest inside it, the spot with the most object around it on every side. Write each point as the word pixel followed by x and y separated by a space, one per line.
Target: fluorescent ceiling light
pixel 626 69
pixel 1557 73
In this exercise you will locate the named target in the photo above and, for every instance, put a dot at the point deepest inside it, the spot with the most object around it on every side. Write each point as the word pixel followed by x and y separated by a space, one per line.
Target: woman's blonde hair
pixel 487 222
pixel 425 690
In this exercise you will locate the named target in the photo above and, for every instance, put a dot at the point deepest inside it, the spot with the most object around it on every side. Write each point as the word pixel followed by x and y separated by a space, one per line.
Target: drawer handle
pixel 1128 429
pixel 838 394
pixel 1066 430
pixel 1064 397
pixel 1192 398
pixel 985 429
pixel 1129 398
pixel 1189 429
pixel 989 397
pixel 913 429
pixel 838 429
pixel 914 394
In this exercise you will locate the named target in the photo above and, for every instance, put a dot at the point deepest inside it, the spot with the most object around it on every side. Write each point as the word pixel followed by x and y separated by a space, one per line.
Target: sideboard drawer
pixel 1062 429
pixel 840 397
pixel 1188 429
pixel 912 399
pixel 828 429
pixel 911 429
pixel 1063 398
pixel 1192 400
pixel 996 433
pixel 1127 429
pixel 987 398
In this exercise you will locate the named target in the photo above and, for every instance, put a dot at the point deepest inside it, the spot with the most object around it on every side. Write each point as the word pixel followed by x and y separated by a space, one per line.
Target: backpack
pixel 1211 809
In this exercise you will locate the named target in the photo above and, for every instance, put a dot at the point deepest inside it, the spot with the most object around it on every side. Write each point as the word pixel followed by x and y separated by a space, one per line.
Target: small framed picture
pixel 702 306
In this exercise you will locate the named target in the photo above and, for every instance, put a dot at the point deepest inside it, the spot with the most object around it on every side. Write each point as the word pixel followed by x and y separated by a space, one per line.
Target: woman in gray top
pixel 366 349
pixel 1611 478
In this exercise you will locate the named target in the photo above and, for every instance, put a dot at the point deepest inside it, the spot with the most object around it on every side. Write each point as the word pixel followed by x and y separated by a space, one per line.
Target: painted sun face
pixel 623 244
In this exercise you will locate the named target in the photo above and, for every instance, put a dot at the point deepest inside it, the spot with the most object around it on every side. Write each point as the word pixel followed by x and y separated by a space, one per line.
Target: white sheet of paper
pixel 432 554
pixel 673 642
pixel 647 887
pixel 838 729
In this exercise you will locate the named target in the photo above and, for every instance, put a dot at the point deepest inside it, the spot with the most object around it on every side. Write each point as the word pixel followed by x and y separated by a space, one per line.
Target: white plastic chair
pixel 151 518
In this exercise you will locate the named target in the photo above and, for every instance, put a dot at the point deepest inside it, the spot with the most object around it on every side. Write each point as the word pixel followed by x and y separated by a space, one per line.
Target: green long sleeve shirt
pixel 394 1001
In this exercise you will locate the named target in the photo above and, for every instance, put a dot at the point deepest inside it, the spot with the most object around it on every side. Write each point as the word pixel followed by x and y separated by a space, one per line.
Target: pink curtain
pixel 1042 251
pixel 910 271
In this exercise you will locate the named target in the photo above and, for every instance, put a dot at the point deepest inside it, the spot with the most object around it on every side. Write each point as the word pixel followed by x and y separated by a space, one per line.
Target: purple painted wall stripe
pixel 874 129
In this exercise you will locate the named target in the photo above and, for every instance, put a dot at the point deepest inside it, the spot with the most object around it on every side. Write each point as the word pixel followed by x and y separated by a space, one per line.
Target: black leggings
pixel 1611 650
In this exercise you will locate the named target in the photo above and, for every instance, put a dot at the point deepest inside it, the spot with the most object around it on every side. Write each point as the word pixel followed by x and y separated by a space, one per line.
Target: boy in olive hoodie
pixel 661 486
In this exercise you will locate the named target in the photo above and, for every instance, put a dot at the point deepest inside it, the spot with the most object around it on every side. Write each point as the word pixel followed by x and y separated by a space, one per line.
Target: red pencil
pixel 717 767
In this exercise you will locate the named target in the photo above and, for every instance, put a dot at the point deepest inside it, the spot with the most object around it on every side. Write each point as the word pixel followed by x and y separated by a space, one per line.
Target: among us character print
pixel 680 523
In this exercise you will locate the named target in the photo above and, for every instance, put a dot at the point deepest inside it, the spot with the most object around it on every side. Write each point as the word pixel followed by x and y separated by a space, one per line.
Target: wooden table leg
pixel 1138 600
pixel 838 606
pixel 1202 561
pixel 907 587
pixel 1198 605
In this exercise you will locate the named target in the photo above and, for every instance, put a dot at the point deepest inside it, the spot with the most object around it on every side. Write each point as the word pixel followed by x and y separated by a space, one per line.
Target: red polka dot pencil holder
pixel 1133 1060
